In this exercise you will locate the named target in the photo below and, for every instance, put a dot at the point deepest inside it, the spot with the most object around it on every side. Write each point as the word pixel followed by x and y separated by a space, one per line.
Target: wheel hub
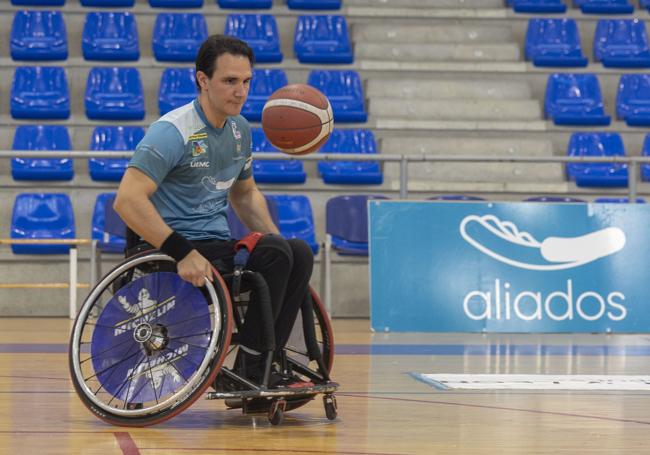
pixel 152 338
pixel 142 333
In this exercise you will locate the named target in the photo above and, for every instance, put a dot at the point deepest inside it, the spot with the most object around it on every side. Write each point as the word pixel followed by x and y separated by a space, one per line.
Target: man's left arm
pixel 250 205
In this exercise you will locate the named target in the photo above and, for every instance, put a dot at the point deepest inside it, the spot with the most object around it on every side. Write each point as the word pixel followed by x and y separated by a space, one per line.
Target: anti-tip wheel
pixel 276 412
pixel 329 401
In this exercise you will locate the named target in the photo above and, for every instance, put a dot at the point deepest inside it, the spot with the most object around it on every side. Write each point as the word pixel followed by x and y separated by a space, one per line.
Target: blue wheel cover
pixel 121 364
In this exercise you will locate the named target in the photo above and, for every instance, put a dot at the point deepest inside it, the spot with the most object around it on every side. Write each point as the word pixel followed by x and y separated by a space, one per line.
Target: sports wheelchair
pixel 146 344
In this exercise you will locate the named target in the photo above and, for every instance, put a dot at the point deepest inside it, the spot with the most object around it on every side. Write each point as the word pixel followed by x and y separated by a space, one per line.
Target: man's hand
pixel 195 268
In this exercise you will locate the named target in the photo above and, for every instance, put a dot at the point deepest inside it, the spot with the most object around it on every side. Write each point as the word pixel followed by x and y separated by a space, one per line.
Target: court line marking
pixel 284 450
pixel 126 443
pixel 10 376
pixel 467 381
pixel 494 348
pixel 500 408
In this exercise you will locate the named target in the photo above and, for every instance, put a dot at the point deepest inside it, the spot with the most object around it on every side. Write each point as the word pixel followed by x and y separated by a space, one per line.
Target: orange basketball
pixel 297 119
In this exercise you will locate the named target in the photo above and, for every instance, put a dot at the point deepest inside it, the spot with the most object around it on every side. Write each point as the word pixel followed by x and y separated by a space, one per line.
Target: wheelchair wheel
pixel 315 336
pixel 297 347
pixel 146 344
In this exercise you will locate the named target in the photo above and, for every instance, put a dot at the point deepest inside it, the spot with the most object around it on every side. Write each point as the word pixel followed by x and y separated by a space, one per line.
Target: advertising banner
pixel 509 267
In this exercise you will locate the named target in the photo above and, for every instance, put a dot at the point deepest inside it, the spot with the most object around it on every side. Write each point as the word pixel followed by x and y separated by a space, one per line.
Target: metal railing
pixel 404 161
pixel 73 283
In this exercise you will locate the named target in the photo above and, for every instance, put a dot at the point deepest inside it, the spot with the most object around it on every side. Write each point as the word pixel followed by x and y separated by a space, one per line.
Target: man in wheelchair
pixel 191 163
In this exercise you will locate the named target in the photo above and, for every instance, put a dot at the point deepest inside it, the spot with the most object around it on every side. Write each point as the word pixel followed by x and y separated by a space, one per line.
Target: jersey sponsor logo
pixel 197 136
pixel 199 148
pixel 235 132
pixel 215 186
pixel 200 164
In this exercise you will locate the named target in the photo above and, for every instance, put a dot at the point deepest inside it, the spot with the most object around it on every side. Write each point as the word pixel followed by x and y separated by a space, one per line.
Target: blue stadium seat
pixel 295 218
pixel 597 174
pixel 177 88
pixel 38 2
pixel 264 83
pixel 42 216
pixel 245 4
pixel 177 37
pixel 645 151
pixel 176 3
pixel 345 92
pixel 633 99
pixel 575 99
pixel 538 6
pixel 42 137
pixel 260 32
pixel 108 242
pixel 112 138
pixel 110 36
pixel 114 94
pixel 274 171
pixel 40 93
pixel 107 3
pixel 314 4
pixel 346 221
pixel 621 43
pixel 455 197
pixel 617 200
pixel 645 4
pixel 38 35
pixel 351 172
pixel 238 230
pixel 572 200
pixel 554 42
pixel 322 39
pixel 604 6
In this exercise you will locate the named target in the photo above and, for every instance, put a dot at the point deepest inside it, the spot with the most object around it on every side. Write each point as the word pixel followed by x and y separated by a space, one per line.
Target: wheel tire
pixel 202 382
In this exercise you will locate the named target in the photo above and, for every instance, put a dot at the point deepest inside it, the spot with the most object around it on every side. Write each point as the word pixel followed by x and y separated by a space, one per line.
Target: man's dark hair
pixel 217 45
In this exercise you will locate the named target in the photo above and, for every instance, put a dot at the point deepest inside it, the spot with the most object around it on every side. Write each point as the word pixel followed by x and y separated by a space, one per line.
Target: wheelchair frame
pixel 146 395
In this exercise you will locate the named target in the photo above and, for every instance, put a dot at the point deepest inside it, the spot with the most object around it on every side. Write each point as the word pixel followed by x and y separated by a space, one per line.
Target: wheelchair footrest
pixel 327 387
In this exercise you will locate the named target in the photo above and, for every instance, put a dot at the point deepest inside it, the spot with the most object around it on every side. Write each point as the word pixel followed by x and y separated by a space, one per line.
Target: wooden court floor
pixel 382 408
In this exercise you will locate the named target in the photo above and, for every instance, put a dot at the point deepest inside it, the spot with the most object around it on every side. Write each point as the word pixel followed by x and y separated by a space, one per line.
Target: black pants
pixel 286 265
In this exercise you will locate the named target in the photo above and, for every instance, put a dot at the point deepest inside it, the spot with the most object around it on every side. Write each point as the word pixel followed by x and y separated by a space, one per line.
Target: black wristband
pixel 176 246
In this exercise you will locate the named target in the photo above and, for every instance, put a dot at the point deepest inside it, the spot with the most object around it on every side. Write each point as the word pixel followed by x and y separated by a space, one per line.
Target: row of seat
pixel 618 43
pixel 576 99
pixel 239 4
pixel 116 93
pixel 51 216
pixel 113 138
pixel 586 6
pixel 125 138
pixel 176 37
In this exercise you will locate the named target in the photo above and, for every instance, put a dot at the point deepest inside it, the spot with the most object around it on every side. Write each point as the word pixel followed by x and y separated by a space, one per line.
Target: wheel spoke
pixel 130 381
pixel 101 384
pixel 187 320
pixel 190 336
pixel 106 350
pixel 112 366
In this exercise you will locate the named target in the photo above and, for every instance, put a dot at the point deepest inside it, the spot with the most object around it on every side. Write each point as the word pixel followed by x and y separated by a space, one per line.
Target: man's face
pixel 227 90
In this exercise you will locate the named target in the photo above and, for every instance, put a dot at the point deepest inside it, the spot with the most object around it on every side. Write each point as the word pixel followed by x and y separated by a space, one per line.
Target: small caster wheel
pixel 276 412
pixel 329 401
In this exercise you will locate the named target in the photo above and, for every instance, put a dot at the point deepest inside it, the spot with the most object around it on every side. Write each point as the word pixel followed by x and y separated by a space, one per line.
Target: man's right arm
pixel 134 206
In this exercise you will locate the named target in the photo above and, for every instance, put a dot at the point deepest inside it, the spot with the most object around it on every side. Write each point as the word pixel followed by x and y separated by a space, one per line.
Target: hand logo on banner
pixel 503 241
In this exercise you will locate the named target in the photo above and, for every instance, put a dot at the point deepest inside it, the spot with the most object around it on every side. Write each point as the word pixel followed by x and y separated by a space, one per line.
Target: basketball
pixel 297 119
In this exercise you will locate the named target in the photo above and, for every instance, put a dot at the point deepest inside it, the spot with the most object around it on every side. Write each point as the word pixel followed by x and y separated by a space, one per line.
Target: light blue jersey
pixel 194 166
